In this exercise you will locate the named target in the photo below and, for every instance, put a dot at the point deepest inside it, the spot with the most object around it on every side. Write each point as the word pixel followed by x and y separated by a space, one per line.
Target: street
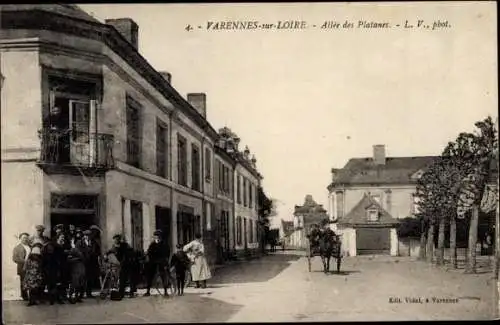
pixel 278 288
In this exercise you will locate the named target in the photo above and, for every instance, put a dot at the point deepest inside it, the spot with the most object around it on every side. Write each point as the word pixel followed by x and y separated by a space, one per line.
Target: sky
pixel 306 101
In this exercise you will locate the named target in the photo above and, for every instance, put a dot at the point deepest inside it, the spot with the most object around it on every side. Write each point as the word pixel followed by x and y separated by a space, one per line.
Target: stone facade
pixel 88 76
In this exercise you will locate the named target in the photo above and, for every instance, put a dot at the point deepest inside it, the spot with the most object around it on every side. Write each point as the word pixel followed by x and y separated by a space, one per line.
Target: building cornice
pixel 332 187
pixel 43 20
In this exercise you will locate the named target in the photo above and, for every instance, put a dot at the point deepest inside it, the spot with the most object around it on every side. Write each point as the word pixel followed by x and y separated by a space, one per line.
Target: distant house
pixel 286 230
pixel 304 216
pixel 368 197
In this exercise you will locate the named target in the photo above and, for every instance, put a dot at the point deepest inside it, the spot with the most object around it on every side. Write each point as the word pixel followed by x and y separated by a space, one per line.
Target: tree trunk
pixel 471 252
pixel 423 240
pixel 453 241
pixel 440 251
pixel 430 243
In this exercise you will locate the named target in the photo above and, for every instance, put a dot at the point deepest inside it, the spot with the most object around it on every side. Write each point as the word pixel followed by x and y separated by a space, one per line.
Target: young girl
pixel 33 280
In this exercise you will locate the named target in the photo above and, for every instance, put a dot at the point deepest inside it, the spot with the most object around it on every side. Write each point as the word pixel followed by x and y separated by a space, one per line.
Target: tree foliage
pixel 409 228
pixel 266 207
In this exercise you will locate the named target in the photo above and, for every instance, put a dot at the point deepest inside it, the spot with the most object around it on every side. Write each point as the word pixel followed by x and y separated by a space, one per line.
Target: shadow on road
pixel 258 270
pixel 192 307
pixel 337 273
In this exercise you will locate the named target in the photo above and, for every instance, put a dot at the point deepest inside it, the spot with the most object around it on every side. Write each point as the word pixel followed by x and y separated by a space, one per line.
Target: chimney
pixel 127 28
pixel 166 75
pixel 379 154
pixel 236 143
pixel 199 102
pixel 334 173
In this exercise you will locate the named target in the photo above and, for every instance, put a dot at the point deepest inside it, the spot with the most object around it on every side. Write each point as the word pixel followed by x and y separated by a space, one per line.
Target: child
pixel 33 279
pixel 77 273
pixel 180 262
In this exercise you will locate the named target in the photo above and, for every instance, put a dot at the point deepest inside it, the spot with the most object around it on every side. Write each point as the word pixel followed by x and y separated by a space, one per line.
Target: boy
pixel 180 262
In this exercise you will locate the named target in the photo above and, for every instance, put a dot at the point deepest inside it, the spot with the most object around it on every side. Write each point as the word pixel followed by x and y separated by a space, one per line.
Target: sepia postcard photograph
pixel 249 162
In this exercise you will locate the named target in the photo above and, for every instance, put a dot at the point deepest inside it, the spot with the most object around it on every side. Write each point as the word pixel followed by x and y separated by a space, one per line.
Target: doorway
pixel 163 222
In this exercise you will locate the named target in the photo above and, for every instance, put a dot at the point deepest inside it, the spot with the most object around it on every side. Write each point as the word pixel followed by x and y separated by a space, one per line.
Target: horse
pixel 329 246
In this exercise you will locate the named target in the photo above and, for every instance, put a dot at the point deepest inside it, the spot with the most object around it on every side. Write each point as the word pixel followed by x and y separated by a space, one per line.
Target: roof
pixel 68 10
pixel 70 19
pixel 397 170
pixel 309 206
pixel 314 218
pixel 358 213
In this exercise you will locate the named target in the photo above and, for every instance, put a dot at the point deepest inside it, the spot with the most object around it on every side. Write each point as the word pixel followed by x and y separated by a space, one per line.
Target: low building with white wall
pixel 368 197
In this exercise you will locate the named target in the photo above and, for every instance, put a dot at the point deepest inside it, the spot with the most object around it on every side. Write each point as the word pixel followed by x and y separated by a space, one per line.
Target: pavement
pixel 279 288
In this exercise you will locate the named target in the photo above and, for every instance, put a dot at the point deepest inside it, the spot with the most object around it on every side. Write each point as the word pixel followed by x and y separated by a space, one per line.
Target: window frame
pixel 195 167
pixel 182 172
pixel 133 109
pixel 208 164
pixel 162 125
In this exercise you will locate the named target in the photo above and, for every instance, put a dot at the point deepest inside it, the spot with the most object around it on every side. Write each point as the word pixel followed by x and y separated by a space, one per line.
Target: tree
pixel 266 209
pixel 473 153
pixel 437 203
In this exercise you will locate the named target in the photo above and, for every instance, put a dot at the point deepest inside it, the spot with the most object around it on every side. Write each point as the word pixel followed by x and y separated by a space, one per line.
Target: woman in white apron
pixel 200 271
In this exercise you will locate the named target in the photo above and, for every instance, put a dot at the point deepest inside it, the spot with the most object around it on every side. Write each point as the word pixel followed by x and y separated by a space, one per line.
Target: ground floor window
pixel 78 210
pixel 136 214
pixel 187 224
pixel 238 230
pixel 252 240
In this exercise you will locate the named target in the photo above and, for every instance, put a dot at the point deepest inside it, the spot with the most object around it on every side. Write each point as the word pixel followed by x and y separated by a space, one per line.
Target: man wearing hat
pixel 39 237
pixel 19 256
pixel 157 261
pixel 91 251
pixel 123 253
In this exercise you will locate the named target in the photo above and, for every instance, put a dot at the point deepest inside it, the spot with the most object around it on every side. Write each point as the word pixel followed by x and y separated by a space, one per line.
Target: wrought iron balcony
pixel 76 150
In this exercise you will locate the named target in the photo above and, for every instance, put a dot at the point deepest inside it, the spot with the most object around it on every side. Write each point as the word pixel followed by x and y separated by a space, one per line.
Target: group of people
pixel 70 265
pixel 65 267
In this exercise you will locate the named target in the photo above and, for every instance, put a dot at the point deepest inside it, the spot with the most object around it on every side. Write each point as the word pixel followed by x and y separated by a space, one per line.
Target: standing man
pixel 19 256
pixel 91 251
pixel 123 253
pixel 39 237
pixel 157 261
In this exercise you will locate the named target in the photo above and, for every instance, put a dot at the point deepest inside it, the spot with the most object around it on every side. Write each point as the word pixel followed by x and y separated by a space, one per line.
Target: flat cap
pixel 158 233
pixel 117 236
pixel 87 232
pixel 40 227
pixel 23 233
pixel 59 226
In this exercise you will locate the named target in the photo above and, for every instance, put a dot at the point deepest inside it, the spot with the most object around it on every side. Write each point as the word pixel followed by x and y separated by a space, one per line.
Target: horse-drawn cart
pixel 325 247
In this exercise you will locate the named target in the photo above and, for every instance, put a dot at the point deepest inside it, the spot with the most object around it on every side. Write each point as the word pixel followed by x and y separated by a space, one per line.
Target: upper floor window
pixel 133 133
pixel 181 160
pixel 238 189
pixel 372 215
pixel 340 204
pixel 195 168
pixel 244 191
pixel 208 164
pixel 250 195
pixel 161 149
pixel 238 230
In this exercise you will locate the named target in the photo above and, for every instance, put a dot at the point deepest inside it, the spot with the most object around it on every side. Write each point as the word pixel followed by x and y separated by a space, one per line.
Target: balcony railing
pixel 75 148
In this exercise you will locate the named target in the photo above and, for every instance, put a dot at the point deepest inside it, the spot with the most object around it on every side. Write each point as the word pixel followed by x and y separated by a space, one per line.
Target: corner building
pixel 92 134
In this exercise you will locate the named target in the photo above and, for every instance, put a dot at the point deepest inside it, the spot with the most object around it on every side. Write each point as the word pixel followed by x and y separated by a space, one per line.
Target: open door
pixel 82 124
